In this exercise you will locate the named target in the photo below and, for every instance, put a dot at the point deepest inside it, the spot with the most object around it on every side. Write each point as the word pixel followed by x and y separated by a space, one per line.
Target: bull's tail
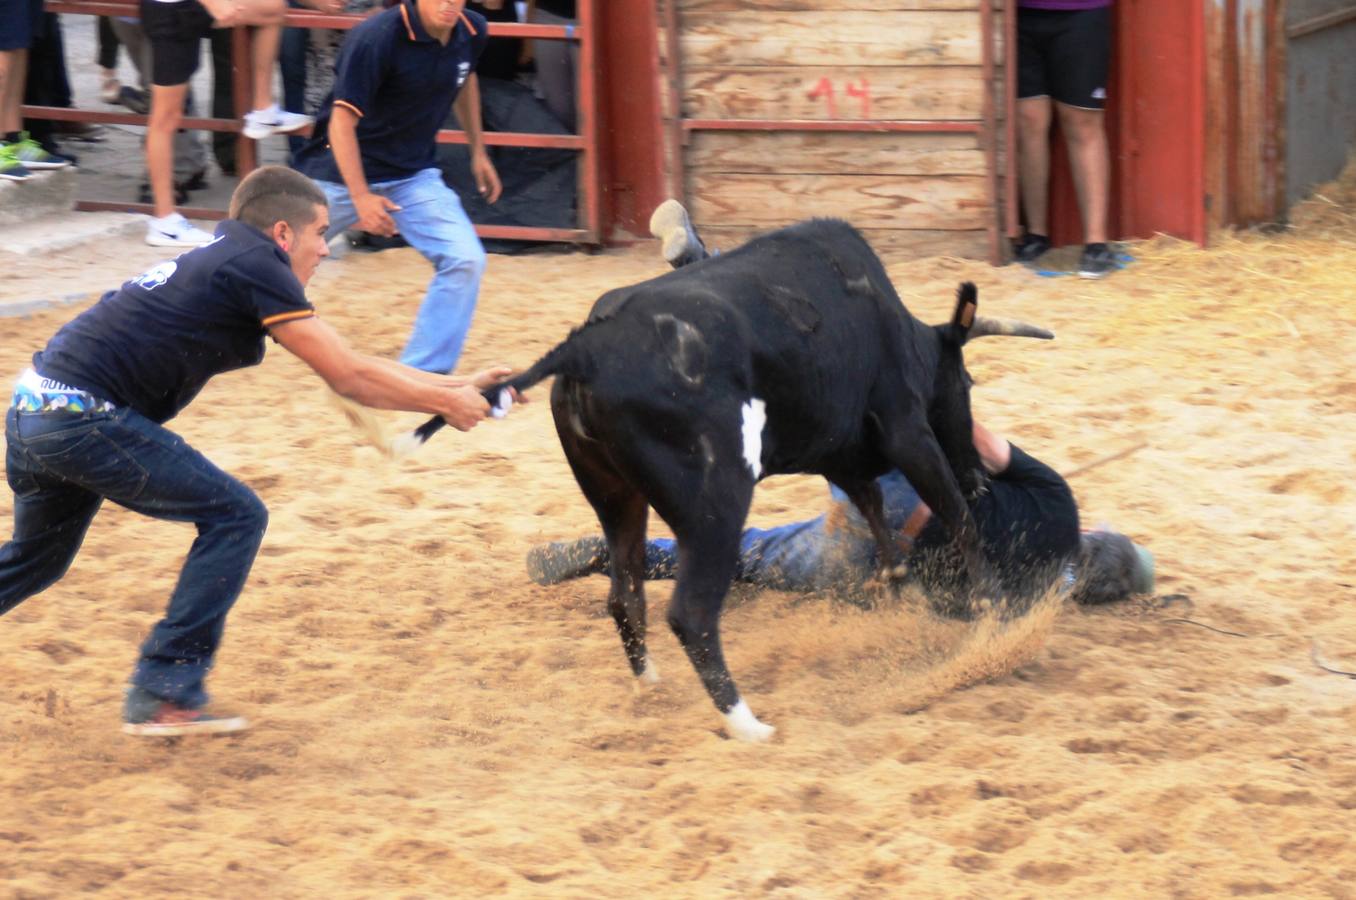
pixel 566 358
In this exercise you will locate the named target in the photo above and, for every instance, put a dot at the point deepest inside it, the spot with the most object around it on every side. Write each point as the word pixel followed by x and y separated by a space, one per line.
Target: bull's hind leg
pixel 624 526
pixel 622 511
pixel 707 557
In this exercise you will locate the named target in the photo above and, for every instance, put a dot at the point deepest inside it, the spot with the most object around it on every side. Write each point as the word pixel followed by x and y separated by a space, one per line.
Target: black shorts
pixel 175 31
pixel 1064 55
pixel 19 23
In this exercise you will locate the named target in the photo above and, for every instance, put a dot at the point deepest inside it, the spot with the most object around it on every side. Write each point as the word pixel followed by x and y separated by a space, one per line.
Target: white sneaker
pixel 174 230
pixel 263 122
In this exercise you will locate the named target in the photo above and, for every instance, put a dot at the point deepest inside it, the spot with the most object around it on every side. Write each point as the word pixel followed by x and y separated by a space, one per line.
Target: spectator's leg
pixel 557 63
pixel 1033 161
pixel 264 56
pixel 45 82
pixel 264 117
pixel 107 60
pixel 432 220
pixel 190 154
pixel 12 92
pixel 223 99
pixel 131 36
pixel 107 57
pixel 49 85
pixel 292 62
pixel 167 111
pixel 1085 136
pixel 267 17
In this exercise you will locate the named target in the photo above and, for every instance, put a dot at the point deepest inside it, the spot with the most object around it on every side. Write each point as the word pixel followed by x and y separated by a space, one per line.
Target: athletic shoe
pixel 670 223
pixel 1097 261
pixel 34 157
pixel 86 132
pixel 135 99
pixel 175 231
pixel 144 194
pixel 10 167
pixel 146 715
pixel 195 182
pixel 1031 247
pixel 263 122
pixel 562 560
pixel 109 86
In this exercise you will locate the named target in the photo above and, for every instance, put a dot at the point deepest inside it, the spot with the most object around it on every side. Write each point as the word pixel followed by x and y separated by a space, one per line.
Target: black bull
pixel 792 353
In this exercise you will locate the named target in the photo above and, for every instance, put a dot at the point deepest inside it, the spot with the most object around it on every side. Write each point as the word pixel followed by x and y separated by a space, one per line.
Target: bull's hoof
pixel 895 577
pixel 649 674
pixel 744 725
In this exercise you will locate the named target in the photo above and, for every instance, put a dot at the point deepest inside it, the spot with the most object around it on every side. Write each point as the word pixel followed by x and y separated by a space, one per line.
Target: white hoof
pixel 744 725
pixel 649 674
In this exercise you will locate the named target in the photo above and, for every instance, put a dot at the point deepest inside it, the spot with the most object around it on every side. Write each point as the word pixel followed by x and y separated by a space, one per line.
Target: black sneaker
pixel 563 560
pixel 195 182
pixel 144 194
pixel 138 101
pixel 1097 261
pixel 1031 247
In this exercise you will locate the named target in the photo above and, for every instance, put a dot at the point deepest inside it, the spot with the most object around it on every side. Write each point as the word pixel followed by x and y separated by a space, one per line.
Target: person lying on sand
pixel 1027 518
pixel 87 423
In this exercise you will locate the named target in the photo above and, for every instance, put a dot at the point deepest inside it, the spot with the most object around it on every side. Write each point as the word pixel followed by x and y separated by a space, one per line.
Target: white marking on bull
pixel 406 444
pixel 744 725
pixel 649 674
pixel 754 417
pixel 502 404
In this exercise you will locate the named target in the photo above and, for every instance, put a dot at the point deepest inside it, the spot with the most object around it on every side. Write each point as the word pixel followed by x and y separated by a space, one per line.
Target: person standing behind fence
pixel 20 155
pixel 557 61
pixel 373 152
pixel 190 154
pixel 1063 54
pixel 175 29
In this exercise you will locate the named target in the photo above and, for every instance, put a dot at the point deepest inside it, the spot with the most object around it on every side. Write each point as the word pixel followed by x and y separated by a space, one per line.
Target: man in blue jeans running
pixel 1027 520
pixel 373 152
pixel 87 423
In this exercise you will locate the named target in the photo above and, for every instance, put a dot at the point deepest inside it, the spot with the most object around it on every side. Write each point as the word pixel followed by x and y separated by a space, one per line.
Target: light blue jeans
pixel 431 219
pixel 832 551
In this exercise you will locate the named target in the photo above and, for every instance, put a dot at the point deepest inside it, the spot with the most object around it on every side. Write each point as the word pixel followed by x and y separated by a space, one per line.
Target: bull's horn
pixel 985 326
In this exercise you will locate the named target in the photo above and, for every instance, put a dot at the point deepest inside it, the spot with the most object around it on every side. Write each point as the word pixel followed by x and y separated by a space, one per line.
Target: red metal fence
pixel 585 142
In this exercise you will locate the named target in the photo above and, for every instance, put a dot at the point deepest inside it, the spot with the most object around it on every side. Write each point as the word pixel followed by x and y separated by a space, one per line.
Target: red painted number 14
pixel 859 89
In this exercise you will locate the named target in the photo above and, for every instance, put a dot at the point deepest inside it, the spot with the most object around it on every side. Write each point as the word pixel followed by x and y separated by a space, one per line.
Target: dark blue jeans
pixel 62 465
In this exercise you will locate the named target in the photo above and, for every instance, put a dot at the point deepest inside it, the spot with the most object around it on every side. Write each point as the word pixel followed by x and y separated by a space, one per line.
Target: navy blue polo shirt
pixel 153 343
pixel 401 82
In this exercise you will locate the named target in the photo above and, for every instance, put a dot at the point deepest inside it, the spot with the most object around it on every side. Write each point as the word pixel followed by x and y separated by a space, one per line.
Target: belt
pixel 34 393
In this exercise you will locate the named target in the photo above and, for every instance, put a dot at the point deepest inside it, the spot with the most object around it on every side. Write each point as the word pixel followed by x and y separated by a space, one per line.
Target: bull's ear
pixel 967 302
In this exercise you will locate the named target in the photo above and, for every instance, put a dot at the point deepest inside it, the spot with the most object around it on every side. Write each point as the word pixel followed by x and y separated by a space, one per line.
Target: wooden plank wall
pixel 912 194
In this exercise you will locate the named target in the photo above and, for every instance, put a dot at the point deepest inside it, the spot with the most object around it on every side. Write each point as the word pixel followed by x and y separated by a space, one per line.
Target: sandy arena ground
pixel 428 723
